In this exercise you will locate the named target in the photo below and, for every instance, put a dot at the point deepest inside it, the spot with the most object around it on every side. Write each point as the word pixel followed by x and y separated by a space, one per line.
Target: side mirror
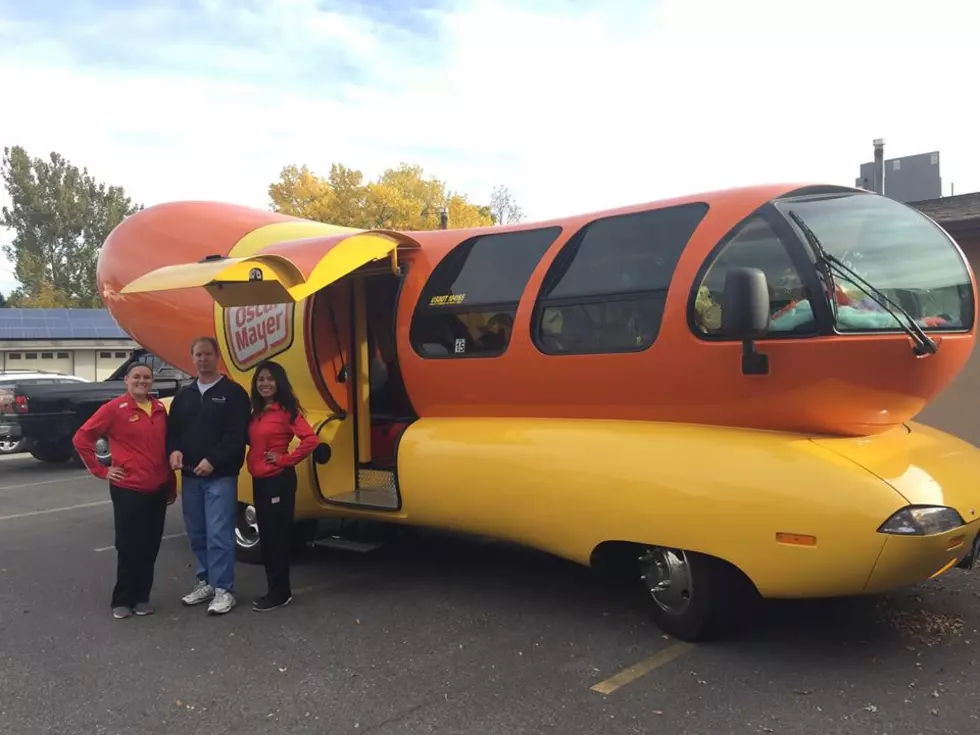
pixel 745 312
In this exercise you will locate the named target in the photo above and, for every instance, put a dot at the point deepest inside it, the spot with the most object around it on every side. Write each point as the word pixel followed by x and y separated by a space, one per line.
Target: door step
pixel 361 547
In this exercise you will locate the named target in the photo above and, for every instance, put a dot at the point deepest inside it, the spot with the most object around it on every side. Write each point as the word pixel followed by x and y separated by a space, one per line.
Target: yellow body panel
pixel 567 486
pixel 250 277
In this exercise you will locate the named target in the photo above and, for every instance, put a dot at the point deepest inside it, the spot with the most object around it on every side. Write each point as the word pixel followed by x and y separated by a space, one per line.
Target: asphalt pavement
pixel 439 634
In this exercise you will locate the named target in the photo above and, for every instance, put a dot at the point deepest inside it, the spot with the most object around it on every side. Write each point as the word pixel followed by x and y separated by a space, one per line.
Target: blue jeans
pixel 209 505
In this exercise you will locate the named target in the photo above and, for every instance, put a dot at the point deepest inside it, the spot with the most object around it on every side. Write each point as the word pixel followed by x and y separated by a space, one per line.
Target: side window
pixel 468 305
pixel 607 288
pixel 756 245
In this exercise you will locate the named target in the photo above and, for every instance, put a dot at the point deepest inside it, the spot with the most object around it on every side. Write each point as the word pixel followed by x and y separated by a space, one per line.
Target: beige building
pixel 83 342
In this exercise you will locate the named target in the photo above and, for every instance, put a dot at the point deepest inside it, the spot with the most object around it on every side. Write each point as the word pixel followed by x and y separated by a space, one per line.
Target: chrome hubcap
pixel 246 526
pixel 667 577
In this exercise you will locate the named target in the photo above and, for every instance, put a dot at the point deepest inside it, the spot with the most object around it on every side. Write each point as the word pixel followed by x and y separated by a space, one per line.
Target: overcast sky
pixel 574 104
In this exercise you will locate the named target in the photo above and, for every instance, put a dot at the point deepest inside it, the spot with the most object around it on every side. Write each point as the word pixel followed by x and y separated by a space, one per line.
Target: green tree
pixel 402 198
pixel 60 217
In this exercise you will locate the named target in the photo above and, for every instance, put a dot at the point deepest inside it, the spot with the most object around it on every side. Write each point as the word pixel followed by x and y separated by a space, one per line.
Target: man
pixel 206 437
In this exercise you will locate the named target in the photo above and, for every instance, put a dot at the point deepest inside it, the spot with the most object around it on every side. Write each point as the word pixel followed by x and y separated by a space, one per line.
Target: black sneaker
pixel 266 603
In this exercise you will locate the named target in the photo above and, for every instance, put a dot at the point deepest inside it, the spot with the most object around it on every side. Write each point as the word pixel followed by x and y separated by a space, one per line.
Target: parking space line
pixel 162 538
pixel 54 510
pixel 644 667
pixel 45 482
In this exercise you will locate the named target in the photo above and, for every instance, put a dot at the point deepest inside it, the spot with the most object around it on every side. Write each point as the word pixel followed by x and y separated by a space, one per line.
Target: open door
pixel 322 269
pixel 283 273
pixel 353 328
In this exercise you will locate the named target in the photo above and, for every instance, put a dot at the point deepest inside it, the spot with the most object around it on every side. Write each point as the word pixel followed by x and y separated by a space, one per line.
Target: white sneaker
pixel 222 603
pixel 202 592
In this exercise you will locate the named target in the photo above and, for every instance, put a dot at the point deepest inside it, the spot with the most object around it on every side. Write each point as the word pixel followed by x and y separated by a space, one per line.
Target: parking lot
pixel 439 634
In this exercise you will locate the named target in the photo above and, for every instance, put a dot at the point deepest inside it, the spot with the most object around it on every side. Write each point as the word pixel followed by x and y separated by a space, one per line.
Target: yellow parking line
pixel 644 667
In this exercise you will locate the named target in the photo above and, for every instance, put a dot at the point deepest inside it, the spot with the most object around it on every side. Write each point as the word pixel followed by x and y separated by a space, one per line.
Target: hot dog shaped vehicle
pixel 717 390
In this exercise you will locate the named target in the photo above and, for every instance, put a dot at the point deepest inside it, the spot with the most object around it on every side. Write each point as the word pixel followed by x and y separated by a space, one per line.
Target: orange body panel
pixel 180 232
pixel 848 385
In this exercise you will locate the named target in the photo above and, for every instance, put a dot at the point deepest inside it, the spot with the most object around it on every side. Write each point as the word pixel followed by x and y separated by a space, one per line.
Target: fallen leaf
pixel 871 708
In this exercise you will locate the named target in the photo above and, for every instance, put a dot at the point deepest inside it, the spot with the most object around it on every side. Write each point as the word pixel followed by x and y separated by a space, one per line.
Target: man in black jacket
pixel 206 437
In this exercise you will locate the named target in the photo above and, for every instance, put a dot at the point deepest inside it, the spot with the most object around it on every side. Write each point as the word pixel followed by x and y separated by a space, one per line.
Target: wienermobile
pixel 716 391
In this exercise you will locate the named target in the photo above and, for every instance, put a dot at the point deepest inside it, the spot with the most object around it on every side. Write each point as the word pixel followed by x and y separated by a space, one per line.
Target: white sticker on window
pixel 460 345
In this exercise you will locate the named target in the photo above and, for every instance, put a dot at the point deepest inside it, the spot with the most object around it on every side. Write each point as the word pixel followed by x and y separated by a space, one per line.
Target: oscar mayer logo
pixel 256 333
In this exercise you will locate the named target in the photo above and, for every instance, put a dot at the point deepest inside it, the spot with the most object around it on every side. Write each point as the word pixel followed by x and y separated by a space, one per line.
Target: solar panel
pixel 59 324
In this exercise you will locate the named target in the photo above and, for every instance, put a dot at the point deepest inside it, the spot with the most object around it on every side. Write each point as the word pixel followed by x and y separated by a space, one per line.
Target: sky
pixel 574 105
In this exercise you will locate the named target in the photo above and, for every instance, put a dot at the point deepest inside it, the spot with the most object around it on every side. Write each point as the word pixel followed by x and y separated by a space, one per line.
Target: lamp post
pixel 444 218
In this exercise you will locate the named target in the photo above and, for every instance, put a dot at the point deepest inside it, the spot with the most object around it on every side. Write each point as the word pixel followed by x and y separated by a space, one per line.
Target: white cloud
pixel 572 106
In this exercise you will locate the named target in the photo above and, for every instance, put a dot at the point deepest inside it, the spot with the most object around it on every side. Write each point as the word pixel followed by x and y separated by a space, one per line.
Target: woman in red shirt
pixel 141 483
pixel 276 418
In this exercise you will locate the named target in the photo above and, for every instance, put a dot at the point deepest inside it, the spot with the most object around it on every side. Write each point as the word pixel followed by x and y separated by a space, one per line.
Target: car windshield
pixel 895 249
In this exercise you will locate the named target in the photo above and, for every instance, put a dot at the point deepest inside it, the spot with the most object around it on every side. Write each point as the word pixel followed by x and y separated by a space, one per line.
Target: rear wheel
pixel 694 597
pixel 53 452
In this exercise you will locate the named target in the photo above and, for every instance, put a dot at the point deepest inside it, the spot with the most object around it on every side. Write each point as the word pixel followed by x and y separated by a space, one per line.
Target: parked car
pixel 43 418
pixel 9 381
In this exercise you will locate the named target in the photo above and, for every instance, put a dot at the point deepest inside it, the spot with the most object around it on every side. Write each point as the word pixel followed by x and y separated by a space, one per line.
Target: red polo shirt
pixel 271 431
pixel 137 441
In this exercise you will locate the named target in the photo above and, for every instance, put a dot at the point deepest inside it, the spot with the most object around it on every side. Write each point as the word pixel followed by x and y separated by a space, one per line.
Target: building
pixel 83 342
pixel 906 179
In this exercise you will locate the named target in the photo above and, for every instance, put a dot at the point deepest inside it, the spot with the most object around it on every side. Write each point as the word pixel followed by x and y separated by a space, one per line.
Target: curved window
pixel 895 249
pixel 756 245
pixel 468 305
pixel 606 290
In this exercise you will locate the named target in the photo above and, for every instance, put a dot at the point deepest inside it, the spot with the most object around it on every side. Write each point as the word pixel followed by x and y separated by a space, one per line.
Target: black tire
pixel 248 541
pixel 717 594
pixel 53 453
pixel 248 545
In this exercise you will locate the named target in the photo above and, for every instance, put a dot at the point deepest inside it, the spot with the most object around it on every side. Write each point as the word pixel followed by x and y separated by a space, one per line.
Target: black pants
pixel 275 500
pixel 139 519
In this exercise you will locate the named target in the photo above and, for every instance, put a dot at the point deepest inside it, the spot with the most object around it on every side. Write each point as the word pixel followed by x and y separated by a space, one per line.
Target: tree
pixel 503 208
pixel 60 216
pixel 402 198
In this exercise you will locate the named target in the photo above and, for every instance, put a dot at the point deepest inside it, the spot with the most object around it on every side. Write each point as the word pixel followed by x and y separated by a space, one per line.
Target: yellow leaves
pixel 402 198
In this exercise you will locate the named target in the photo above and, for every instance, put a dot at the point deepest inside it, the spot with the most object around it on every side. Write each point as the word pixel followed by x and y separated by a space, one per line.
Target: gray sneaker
pixel 222 603
pixel 143 608
pixel 202 592
pixel 122 612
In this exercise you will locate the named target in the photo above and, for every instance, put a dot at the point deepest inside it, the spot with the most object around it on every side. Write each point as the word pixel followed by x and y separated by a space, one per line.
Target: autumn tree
pixel 60 216
pixel 503 208
pixel 401 198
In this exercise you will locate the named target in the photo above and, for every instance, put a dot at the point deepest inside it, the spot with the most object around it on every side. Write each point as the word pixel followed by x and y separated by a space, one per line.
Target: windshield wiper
pixel 924 345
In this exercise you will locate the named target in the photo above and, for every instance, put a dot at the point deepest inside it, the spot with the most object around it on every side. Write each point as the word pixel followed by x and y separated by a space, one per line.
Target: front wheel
pixel 694 597
pixel 248 546
pixel 248 543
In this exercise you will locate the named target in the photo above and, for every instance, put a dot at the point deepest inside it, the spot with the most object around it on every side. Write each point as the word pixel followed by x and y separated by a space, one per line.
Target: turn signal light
pixel 796 539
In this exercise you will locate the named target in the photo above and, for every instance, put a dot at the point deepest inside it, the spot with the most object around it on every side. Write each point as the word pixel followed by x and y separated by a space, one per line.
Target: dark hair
pixel 210 340
pixel 285 396
pixel 137 364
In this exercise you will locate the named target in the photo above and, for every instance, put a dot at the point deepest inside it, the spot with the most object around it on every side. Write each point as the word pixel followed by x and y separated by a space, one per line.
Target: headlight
pixel 922 521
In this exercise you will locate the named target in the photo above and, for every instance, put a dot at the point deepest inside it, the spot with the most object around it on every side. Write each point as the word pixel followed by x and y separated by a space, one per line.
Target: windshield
pixel 895 249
